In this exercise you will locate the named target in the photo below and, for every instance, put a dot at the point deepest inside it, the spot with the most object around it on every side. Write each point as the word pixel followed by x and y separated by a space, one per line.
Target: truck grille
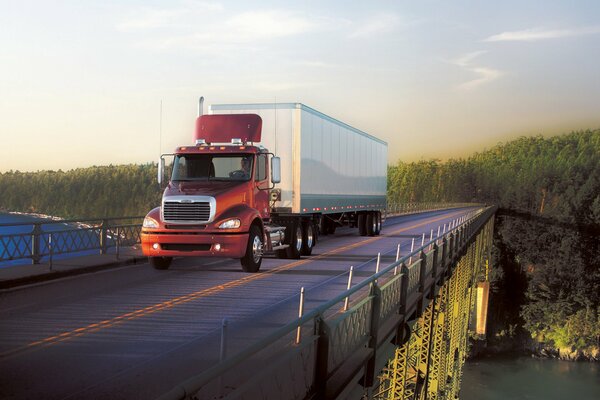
pixel 174 211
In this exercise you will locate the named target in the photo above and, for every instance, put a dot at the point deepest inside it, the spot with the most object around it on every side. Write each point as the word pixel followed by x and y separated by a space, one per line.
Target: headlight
pixel 230 224
pixel 150 223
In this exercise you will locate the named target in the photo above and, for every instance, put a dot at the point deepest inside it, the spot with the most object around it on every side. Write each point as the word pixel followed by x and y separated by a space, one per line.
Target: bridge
pixel 384 317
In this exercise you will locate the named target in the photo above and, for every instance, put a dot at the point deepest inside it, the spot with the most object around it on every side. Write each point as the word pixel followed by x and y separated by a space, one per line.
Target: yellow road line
pixel 202 293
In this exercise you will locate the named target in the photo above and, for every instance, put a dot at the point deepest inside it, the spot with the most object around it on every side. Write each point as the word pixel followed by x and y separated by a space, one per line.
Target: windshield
pixel 222 167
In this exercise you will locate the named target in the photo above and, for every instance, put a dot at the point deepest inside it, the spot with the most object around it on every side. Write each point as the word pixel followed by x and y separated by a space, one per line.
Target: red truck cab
pixel 217 200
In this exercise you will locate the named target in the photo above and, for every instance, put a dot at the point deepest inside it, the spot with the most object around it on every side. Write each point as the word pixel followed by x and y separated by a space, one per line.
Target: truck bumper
pixel 167 244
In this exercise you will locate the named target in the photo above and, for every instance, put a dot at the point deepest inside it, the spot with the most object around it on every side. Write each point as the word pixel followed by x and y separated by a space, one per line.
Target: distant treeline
pixel 107 191
pixel 547 251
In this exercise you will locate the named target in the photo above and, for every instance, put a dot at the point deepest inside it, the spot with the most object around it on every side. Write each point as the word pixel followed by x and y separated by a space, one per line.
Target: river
pixel 530 379
pixel 23 243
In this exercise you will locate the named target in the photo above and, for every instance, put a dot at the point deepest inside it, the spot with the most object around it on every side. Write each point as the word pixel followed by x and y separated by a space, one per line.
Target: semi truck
pixel 265 179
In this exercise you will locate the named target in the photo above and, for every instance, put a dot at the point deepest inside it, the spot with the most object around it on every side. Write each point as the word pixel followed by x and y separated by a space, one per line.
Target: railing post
pixel 444 253
pixel 400 336
pixel 35 243
pixel 322 357
pixel 435 253
pixel 50 249
pixel 422 271
pixel 373 339
pixel 118 243
pixel 103 236
pixel 300 312
pixel 403 287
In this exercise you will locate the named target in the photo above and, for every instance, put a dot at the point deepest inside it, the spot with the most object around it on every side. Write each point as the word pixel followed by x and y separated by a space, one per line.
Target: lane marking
pixel 142 312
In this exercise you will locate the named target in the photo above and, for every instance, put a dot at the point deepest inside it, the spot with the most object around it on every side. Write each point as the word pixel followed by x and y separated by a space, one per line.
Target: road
pixel 134 332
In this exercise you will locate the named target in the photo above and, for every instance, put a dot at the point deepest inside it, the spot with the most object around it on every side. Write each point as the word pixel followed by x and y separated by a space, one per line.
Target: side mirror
pixel 161 170
pixel 275 170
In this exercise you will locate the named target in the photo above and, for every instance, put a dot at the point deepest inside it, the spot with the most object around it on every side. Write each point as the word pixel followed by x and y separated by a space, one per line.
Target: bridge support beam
pixel 429 364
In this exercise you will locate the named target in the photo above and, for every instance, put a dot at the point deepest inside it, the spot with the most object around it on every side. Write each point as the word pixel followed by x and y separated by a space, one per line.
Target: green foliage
pixel 553 182
pixel 123 190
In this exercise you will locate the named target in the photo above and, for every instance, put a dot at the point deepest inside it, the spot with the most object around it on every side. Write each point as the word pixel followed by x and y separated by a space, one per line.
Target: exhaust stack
pixel 201 106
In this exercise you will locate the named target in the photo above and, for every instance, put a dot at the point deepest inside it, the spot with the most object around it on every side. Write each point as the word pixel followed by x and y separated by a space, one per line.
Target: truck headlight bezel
pixel 232 223
pixel 150 222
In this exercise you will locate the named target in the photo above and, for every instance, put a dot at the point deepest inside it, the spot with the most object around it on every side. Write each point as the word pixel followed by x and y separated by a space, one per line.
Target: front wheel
pixel 160 262
pixel 254 251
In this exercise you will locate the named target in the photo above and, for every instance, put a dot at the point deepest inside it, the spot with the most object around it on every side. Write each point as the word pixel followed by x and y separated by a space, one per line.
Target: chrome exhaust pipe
pixel 201 106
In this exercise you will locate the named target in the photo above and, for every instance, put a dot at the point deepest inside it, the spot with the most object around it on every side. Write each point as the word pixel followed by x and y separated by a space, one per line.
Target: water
pixel 530 379
pixel 86 238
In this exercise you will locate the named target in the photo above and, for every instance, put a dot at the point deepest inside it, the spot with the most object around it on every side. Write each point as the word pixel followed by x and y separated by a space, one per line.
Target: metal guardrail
pixel 106 233
pixel 414 208
pixel 341 342
pixel 49 238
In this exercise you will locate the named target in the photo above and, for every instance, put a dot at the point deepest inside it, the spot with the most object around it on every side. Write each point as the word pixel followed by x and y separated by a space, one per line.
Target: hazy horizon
pixel 82 84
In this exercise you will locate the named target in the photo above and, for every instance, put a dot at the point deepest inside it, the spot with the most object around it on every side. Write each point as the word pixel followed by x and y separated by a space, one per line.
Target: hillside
pixel 547 251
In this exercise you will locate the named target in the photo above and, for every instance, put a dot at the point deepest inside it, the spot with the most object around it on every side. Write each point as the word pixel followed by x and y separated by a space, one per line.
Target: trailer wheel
pixel 362 224
pixel 371 223
pixel 254 251
pixel 160 262
pixel 323 225
pixel 378 222
pixel 308 238
pixel 295 240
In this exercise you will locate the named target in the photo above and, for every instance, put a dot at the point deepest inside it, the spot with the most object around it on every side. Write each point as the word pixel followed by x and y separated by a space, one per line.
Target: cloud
pixel 466 59
pixel 254 25
pixel 376 25
pixel 535 34
pixel 484 74
pixel 154 18
pixel 204 27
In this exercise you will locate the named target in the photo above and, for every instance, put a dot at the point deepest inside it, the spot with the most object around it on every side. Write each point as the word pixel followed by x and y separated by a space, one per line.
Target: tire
pixel 160 262
pixel 309 238
pixel 371 224
pixel 377 223
pixel 323 226
pixel 254 251
pixel 295 240
pixel 362 224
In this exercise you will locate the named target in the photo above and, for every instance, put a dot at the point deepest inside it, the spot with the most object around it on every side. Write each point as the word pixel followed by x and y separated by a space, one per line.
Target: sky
pixel 82 82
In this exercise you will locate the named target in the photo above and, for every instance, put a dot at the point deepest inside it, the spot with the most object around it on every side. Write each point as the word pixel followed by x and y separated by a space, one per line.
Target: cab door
pixel 261 186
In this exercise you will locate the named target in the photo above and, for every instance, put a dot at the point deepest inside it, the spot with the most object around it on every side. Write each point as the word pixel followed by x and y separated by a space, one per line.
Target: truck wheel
pixel 323 225
pixel 371 224
pixel 254 251
pixel 160 262
pixel 377 223
pixel 308 238
pixel 362 224
pixel 295 241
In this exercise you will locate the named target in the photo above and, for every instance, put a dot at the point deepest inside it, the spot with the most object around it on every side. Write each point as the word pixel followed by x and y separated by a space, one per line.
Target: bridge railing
pixel 414 208
pixel 42 240
pixel 39 241
pixel 340 343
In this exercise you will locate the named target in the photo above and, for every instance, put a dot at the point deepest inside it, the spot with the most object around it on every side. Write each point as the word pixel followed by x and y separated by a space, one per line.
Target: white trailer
pixel 327 167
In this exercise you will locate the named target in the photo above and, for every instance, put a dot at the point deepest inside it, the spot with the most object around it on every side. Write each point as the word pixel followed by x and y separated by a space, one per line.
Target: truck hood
pixel 203 188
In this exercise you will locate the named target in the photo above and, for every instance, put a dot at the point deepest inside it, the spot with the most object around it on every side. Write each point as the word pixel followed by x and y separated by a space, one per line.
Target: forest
pixel 546 281
pixel 546 275
pixel 105 191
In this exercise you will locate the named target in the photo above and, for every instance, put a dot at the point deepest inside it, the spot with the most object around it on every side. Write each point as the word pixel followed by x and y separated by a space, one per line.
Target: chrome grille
pixel 196 211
